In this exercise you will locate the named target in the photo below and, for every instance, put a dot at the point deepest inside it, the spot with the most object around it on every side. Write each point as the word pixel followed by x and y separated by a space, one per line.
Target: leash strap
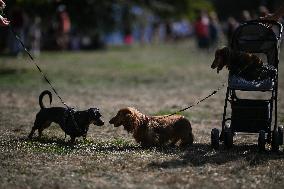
pixel 43 74
pixel 46 78
pixel 70 110
pixel 208 96
pixel 39 69
pixel 201 100
pixel 71 113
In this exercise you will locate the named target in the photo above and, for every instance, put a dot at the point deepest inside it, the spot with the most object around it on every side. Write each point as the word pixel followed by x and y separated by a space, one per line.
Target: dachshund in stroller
pixel 246 65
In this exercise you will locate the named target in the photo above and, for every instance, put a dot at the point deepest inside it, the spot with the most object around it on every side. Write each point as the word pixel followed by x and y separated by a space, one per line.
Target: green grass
pixel 131 66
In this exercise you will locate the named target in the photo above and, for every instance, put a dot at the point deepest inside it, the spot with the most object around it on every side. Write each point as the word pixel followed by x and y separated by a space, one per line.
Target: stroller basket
pixel 250 115
pixel 239 83
pixel 256 37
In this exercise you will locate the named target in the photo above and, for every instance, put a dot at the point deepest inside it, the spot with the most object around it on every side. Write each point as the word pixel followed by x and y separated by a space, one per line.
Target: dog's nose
pixel 111 121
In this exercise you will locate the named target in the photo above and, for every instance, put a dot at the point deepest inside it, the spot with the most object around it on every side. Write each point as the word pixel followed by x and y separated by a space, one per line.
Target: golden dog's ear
pixel 216 60
pixel 226 51
pixel 133 119
pixel 131 116
pixel 125 111
pixel 218 53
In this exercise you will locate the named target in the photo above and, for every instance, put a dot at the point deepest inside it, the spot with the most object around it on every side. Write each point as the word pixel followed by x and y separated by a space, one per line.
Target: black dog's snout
pixel 99 122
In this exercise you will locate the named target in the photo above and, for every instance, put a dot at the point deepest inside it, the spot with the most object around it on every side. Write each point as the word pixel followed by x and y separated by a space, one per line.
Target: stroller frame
pixel 253 115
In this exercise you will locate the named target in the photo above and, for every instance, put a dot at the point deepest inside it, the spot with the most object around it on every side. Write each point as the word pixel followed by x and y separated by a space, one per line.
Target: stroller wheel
pixel 280 134
pixel 228 138
pixel 261 140
pixel 215 138
pixel 275 141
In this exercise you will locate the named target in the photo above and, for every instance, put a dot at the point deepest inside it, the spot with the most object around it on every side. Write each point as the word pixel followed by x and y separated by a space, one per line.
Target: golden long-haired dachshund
pixel 245 65
pixel 154 130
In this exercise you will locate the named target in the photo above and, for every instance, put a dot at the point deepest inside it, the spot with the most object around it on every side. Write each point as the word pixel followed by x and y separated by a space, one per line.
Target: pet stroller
pixel 249 115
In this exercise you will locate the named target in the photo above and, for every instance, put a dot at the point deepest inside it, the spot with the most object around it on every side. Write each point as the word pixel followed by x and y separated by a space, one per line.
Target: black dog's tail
pixel 46 92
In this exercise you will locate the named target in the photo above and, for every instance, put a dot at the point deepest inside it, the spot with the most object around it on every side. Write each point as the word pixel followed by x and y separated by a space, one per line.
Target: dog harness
pixel 70 125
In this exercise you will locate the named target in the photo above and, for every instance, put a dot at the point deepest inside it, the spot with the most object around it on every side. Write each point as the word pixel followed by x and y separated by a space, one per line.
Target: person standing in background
pixel 63 28
pixel 231 26
pixel 215 30
pixel 201 28
pixel 3 21
pixel 19 23
pixel 34 35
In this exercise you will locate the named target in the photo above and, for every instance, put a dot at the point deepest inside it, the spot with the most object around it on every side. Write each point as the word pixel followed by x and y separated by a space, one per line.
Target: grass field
pixel 156 80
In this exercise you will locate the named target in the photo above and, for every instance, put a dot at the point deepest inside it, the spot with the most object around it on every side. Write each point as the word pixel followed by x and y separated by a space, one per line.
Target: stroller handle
pixel 268 22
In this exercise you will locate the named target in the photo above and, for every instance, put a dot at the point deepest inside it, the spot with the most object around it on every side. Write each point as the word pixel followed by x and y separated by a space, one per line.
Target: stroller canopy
pixel 259 37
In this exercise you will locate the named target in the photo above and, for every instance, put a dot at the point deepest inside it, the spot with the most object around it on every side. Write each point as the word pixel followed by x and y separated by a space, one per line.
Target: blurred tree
pixel 91 17
pixel 86 14
pixel 96 18
pixel 97 15
pixel 178 9
pixel 226 8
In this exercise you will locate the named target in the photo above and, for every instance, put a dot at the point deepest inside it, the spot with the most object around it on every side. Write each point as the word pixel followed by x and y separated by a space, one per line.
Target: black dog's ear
pixel 95 112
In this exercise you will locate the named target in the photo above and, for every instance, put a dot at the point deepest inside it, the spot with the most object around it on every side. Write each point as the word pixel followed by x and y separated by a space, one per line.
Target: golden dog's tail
pixel 46 92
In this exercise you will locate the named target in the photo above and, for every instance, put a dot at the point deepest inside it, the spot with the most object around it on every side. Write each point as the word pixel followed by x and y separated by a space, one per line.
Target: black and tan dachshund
pixel 73 123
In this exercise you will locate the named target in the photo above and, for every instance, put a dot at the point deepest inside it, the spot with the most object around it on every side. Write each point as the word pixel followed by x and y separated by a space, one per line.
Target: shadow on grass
pixel 195 155
pixel 62 146
pixel 115 145
pixel 201 154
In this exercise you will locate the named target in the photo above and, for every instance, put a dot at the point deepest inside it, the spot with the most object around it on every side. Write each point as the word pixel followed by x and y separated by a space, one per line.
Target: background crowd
pixel 64 26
